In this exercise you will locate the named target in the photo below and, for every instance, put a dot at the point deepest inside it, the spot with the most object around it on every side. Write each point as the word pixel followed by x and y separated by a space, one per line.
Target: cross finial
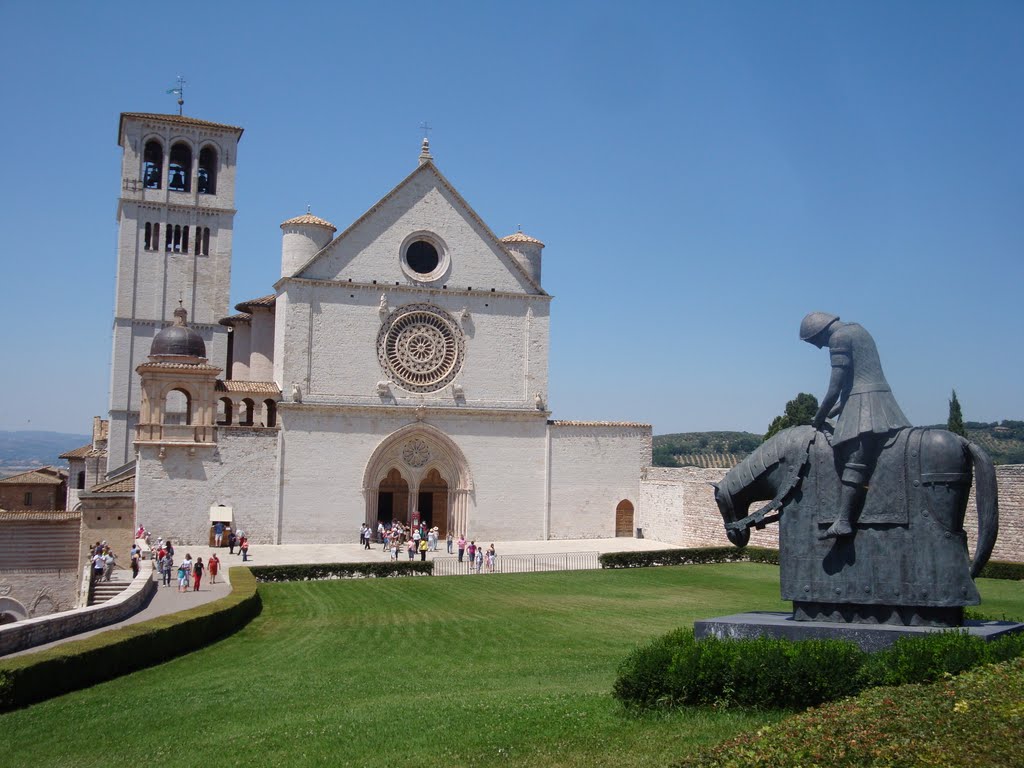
pixel 308 209
pixel 426 128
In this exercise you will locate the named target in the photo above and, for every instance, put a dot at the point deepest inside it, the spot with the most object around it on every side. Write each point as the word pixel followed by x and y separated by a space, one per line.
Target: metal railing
pixel 554 561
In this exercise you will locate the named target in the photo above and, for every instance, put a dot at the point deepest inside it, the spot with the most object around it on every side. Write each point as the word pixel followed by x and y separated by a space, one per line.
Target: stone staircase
pixel 107 590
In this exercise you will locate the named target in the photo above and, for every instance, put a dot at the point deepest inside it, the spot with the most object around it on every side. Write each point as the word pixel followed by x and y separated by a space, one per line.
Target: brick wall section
pixel 677 506
pixel 1010 544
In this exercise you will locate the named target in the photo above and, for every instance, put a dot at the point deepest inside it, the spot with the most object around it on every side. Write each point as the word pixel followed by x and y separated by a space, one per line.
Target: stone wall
pixel 677 506
pixel 37 631
pixel 176 492
pixel 594 466
pixel 39 567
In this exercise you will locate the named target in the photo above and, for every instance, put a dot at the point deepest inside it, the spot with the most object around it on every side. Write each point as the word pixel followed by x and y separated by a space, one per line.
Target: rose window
pixel 420 347
pixel 415 453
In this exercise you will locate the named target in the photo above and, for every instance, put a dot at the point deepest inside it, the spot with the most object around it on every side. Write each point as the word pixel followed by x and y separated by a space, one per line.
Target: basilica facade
pixel 397 370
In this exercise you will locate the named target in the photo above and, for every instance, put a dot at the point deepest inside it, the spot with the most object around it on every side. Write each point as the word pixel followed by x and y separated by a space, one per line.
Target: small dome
pixel 310 220
pixel 178 340
pixel 519 237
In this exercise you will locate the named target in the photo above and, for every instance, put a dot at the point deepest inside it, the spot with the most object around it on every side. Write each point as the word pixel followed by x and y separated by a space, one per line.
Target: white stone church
pixel 398 370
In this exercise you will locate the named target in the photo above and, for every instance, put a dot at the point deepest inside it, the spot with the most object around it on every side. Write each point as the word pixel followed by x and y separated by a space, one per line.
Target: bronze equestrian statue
pixel 892 550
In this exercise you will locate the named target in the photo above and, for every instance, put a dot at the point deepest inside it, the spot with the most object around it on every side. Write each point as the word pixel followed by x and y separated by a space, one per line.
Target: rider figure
pixel 859 396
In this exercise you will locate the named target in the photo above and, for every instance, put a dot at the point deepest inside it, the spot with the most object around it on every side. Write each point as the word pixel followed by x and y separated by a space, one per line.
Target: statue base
pixel 869 637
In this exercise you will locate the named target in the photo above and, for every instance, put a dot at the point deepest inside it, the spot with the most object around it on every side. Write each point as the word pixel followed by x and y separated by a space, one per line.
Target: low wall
pixel 32 632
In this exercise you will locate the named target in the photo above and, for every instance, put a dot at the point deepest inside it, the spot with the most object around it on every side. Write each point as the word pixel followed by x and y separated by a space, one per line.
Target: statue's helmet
pixel 815 323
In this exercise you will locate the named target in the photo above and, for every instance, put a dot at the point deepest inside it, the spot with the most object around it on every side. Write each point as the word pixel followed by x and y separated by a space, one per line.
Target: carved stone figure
pixel 889 551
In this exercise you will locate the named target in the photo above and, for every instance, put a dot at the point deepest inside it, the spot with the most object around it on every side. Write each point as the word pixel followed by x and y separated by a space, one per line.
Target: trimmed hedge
pixel 1000 569
pixel 323 571
pixel 690 556
pixel 78 664
pixel 994 569
pixel 677 669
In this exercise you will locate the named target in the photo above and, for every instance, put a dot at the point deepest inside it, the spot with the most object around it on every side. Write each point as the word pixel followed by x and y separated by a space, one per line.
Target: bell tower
pixel 175 218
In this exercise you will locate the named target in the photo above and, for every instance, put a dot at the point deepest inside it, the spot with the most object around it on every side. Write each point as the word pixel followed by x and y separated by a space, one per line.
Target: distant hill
pixel 24 450
pixel 1003 441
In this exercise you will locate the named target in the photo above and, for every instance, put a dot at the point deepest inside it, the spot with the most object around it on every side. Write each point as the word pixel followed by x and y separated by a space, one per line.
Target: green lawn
pixel 452 671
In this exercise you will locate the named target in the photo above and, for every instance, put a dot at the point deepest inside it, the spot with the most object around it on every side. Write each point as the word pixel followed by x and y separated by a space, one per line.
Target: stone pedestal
pixel 869 637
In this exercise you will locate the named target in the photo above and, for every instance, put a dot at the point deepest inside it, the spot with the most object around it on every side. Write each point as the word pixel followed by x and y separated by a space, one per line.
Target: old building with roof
pixel 398 370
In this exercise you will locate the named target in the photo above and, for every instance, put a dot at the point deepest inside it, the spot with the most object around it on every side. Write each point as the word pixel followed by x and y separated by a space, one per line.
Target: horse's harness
pixel 772 511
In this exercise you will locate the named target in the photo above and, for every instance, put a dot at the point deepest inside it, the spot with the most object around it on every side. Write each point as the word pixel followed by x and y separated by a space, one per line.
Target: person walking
pixel 491 557
pixel 213 565
pixel 479 558
pixel 109 558
pixel 135 561
pixel 166 563
pixel 449 541
pixel 369 532
pixel 462 545
pixel 471 551
pixel 232 542
pixel 197 573
pixel 218 534
pixel 243 547
pixel 423 549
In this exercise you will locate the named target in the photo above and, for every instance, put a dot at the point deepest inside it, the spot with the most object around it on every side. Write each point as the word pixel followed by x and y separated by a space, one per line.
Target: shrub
pixel 323 571
pixel 998 569
pixel 676 669
pixel 691 556
pixel 80 663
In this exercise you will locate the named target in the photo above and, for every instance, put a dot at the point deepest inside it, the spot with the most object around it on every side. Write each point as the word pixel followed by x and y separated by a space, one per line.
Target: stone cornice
pixel 418 290
pixel 421 412
pixel 166 205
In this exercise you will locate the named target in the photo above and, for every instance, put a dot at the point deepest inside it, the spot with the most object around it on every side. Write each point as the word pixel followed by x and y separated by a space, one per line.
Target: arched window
pixel 224 408
pixel 247 409
pixel 269 413
pixel 207 175
pixel 149 236
pixel 180 168
pixel 184 239
pixel 206 241
pixel 152 237
pixel 178 407
pixel 80 483
pixel 152 164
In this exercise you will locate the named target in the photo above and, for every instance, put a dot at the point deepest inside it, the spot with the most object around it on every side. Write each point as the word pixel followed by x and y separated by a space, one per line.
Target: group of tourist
pixel 478 556
pixel 239 540
pixel 190 573
pixel 103 560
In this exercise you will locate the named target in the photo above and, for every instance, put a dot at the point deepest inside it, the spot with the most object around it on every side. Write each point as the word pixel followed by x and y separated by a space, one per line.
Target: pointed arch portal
pixel 416 474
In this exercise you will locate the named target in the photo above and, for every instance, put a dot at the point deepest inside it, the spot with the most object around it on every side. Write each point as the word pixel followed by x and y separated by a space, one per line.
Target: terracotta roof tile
pixel 241 317
pixel 38 476
pixel 177 120
pixel 117 485
pixel 519 237
pixel 262 301
pixel 77 453
pixel 310 219
pixel 203 367
pixel 37 515
pixel 249 387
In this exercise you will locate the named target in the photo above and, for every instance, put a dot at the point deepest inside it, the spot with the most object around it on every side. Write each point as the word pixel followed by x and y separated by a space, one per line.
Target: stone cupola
pixel 303 237
pixel 527 251
pixel 178 343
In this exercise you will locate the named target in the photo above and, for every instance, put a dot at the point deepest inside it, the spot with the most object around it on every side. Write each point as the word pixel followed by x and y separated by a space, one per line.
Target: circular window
pixel 420 347
pixel 424 257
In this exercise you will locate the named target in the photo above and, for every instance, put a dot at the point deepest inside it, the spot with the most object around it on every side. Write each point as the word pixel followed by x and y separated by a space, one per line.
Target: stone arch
pixel 176 405
pixel 11 610
pixel 415 450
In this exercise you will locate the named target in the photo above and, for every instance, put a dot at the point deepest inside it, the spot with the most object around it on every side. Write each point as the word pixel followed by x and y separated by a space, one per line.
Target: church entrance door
pixel 393 498
pixel 624 518
pixel 433 502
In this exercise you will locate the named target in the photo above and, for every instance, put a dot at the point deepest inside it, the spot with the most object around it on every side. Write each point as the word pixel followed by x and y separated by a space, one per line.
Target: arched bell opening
pixel 179 170
pixel 246 412
pixel 224 412
pixel 152 164
pixel 392 500
pixel 624 518
pixel 207 173
pixel 178 407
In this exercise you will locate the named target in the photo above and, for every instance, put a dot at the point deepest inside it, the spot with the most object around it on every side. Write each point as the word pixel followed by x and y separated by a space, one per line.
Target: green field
pixel 511 670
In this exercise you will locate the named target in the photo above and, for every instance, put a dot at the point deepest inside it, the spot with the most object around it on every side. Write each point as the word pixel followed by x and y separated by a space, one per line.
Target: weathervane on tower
pixel 180 91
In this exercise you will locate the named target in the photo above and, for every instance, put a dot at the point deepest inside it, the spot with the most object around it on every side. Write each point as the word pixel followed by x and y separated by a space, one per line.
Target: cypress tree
pixel 955 423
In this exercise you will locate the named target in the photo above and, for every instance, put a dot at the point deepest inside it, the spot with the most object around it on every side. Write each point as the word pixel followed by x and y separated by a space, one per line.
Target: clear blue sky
pixel 703 173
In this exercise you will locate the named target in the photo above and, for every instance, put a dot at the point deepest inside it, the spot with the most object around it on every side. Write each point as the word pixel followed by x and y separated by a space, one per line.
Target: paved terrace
pixel 169 600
